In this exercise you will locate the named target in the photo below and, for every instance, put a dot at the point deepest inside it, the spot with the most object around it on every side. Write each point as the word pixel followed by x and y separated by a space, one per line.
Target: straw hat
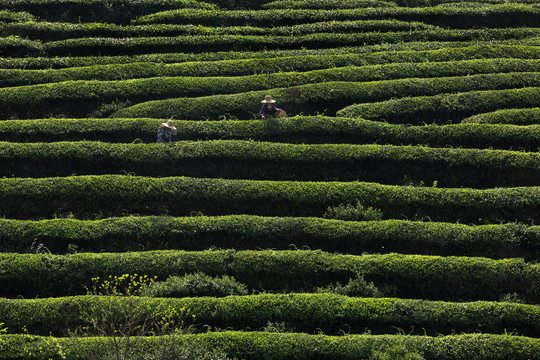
pixel 169 124
pixel 268 100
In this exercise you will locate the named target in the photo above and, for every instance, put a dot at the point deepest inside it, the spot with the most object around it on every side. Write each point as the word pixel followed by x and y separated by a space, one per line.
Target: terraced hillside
pixel 393 214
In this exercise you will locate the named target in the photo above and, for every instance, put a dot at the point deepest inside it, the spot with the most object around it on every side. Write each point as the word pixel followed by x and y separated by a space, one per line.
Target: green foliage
pixel 7 16
pixel 52 31
pixel 231 63
pixel 299 129
pixel 108 46
pixel 443 107
pixel 254 232
pixel 351 212
pixel 307 92
pixel 280 346
pixel 357 286
pixel 507 116
pixel 330 313
pixel 504 15
pixel 113 195
pixel 430 63
pixel 329 97
pixel 326 4
pixel 119 11
pixel 196 284
pixel 395 352
pixel 123 285
pixel 236 159
pixel 412 276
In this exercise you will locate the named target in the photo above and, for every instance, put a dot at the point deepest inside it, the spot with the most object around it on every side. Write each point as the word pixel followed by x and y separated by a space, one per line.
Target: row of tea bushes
pixel 503 15
pixel 507 116
pixel 113 195
pixel 244 232
pixel 352 4
pixel 300 129
pixel 371 55
pixel 406 276
pixel 18 47
pixel 443 107
pixel 326 98
pixel 247 70
pixel 236 159
pixel 491 74
pixel 327 4
pixel 117 11
pixel 284 346
pixel 9 17
pixel 328 313
pixel 47 31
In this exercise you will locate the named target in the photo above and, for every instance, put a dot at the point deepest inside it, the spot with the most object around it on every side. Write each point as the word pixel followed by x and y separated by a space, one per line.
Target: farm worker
pixel 269 108
pixel 166 132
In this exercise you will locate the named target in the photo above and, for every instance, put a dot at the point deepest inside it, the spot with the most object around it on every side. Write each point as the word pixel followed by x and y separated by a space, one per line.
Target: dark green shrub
pixel 330 313
pixel 231 63
pixel 119 11
pixel 299 129
pixel 329 97
pixel 507 116
pixel 351 212
pixel 243 232
pixel 114 195
pixel 413 276
pixel 279 346
pixel 357 286
pixel 235 159
pixel 442 108
pixel 503 15
pixel 196 284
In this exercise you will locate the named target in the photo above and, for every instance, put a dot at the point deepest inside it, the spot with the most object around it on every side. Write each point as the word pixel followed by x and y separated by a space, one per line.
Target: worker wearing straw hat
pixel 269 108
pixel 166 132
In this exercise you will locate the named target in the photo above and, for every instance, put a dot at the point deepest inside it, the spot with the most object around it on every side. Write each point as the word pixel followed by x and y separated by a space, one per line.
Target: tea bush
pixel 231 63
pixel 299 129
pixel 196 284
pixel 235 159
pixel 443 107
pixel 279 346
pixel 507 116
pixel 244 232
pixel 329 97
pixel 413 276
pixel 304 312
pixel 503 15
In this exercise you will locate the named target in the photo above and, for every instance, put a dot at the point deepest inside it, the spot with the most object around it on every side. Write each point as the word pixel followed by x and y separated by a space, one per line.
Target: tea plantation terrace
pixel 392 215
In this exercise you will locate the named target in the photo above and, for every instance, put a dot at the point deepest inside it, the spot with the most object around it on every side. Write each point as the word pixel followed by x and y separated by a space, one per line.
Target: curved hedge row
pixel 316 69
pixel 235 159
pixel 443 107
pixel 308 313
pixel 119 11
pixel 503 15
pixel 327 4
pixel 47 31
pixel 385 52
pixel 199 43
pixel 10 17
pixel 286 346
pixel 326 98
pixel 352 4
pixel 406 276
pixel 108 195
pixel 507 116
pixel 309 92
pixel 300 129
pixel 243 232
